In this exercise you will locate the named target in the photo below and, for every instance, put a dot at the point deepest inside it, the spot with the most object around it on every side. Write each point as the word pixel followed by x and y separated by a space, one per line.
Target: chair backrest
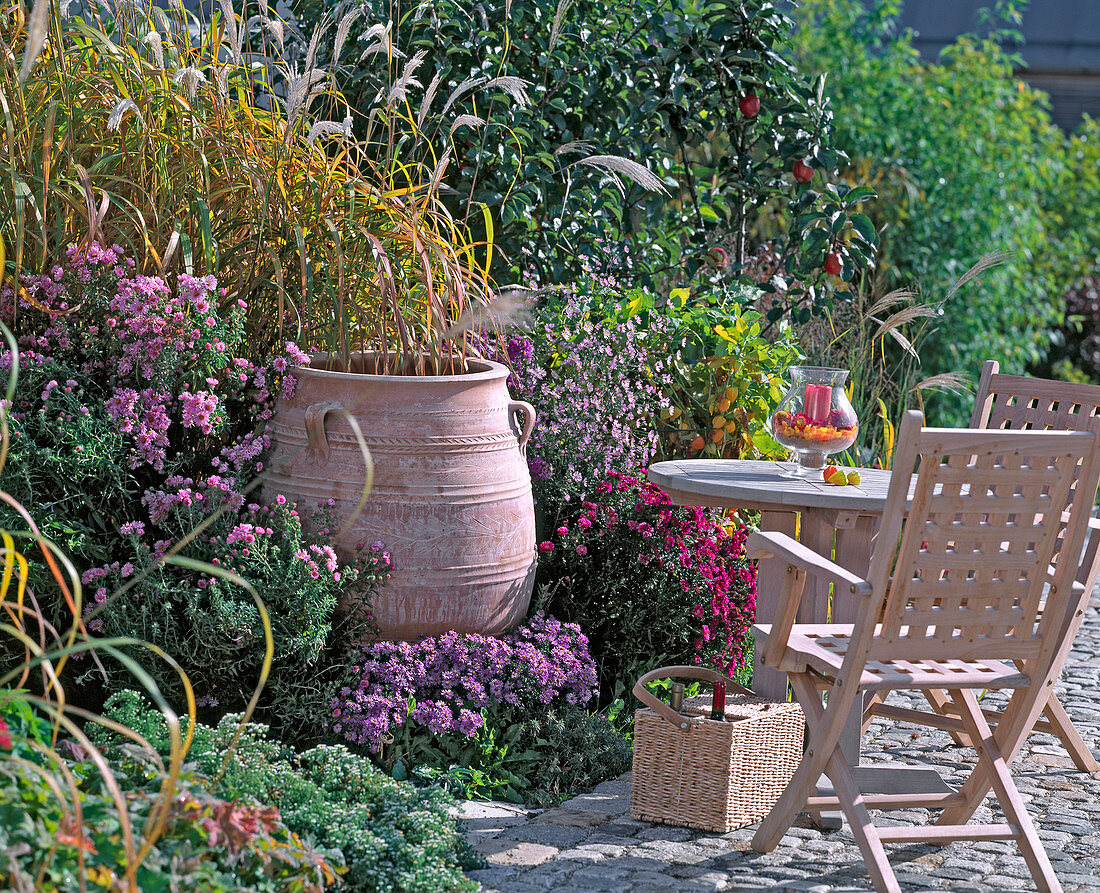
pixel 966 567
pixel 1019 403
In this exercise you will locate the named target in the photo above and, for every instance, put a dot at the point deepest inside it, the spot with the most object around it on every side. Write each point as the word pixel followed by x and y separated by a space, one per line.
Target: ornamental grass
pixel 197 148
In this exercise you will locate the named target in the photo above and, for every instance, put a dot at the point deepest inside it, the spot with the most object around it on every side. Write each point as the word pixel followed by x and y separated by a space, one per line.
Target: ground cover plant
pixel 203 842
pixel 387 835
pixel 490 716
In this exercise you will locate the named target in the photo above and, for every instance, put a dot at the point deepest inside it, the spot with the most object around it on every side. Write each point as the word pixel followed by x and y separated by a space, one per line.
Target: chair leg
pixel 823 740
pixel 1019 716
pixel 989 755
pixel 851 801
pixel 1071 739
pixel 941 704
pixel 1060 725
pixel 871 701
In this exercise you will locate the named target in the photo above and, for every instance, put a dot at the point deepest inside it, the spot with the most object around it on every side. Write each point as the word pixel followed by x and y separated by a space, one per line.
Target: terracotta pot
pixel 451 497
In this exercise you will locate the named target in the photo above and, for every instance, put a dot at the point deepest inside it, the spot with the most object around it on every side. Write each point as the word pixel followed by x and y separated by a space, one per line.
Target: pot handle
pixel 315 427
pixel 528 411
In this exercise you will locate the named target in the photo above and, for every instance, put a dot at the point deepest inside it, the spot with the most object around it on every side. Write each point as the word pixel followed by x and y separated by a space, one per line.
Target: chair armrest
pixel 800 562
pixel 771 544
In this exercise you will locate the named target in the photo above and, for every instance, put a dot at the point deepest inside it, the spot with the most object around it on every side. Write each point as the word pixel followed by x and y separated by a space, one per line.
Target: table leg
pixel 853 552
pixel 817 532
pixel 770 572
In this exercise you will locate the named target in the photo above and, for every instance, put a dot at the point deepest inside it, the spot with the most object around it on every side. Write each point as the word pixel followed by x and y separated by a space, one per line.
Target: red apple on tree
pixel 832 264
pixel 803 173
pixel 750 105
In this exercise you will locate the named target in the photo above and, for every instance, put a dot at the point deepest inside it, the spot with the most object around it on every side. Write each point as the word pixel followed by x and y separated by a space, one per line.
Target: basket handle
pixel 683 672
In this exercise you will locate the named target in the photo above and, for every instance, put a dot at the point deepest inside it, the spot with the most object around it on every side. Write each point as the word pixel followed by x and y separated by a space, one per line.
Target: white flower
pixel 190 77
pixel 329 128
pixel 114 120
pixel 156 44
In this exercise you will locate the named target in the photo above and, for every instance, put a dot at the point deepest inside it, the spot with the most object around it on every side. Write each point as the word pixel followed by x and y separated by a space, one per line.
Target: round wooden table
pixel 837 522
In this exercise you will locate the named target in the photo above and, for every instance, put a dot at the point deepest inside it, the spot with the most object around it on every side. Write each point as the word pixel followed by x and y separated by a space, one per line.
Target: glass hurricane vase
pixel 815 418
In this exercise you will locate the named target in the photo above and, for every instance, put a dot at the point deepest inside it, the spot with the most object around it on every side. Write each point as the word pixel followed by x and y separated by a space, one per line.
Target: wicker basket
pixel 718 776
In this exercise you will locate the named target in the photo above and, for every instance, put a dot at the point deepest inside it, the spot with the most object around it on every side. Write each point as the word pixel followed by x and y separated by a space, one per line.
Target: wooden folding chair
pixel 1018 403
pixel 951 603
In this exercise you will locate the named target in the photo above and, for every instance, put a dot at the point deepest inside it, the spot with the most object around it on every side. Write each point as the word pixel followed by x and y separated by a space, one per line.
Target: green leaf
pixel 861 223
pixel 860 194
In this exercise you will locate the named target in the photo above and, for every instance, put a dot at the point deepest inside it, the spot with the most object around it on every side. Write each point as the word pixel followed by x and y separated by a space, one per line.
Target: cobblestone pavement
pixel 591 844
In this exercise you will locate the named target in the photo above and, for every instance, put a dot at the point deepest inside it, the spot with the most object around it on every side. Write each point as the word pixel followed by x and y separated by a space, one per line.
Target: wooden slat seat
pixel 822 648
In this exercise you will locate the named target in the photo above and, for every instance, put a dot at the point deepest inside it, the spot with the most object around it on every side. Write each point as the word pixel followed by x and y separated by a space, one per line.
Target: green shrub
pixel 1075 209
pixel 967 161
pixel 584 366
pixel 540 759
pixel 721 375
pixel 390 835
pixel 137 424
pixel 1075 212
pixel 655 82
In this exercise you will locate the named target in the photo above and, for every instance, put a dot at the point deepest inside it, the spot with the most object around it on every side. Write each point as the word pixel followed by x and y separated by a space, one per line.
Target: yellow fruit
pixel 731 427
pixel 853 477
pixel 717 434
pixel 836 477
pixel 731 394
pixel 718 422
pixel 723 405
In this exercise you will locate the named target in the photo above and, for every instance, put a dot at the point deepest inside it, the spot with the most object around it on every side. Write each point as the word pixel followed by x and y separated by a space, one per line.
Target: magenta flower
pixel 685 550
